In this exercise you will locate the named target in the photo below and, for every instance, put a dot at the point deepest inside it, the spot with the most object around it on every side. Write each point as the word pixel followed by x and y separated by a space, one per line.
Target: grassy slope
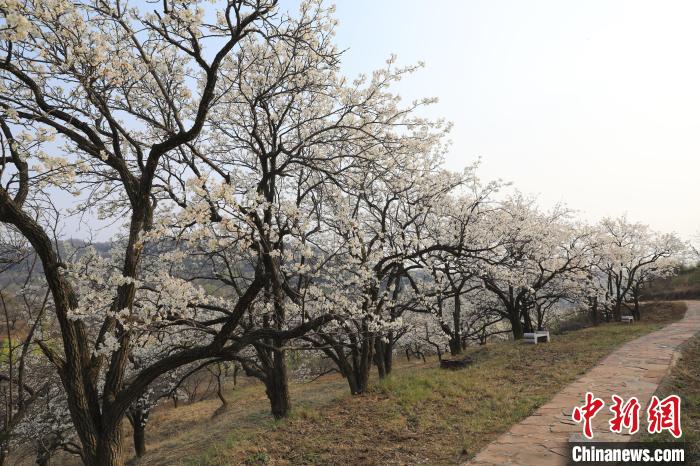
pixel 685 285
pixel 419 415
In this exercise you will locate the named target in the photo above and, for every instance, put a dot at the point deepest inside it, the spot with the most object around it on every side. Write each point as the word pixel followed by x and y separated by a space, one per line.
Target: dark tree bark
pixel 595 318
pixel 379 346
pixel 358 380
pixel 361 363
pixel 635 311
pixel 617 311
pixel 389 355
pixel 43 458
pixel 517 326
pixel 139 440
pixel 218 373
pixel 527 327
pixel 356 365
pixel 138 418
pixel 384 354
pixel 277 386
pixel 456 336
pixel 109 448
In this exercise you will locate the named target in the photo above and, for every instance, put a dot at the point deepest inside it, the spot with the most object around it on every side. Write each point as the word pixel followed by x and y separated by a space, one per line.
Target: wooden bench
pixel 536 337
pixel 627 319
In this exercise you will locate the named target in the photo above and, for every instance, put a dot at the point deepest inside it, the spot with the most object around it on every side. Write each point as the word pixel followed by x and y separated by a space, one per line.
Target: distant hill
pixel 16 273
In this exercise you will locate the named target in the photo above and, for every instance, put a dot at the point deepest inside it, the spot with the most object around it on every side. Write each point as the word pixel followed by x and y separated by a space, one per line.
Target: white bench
pixel 536 337
pixel 627 319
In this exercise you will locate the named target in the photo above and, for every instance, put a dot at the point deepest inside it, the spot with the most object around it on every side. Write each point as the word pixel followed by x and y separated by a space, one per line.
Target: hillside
pixel 684 285
pixel 421 414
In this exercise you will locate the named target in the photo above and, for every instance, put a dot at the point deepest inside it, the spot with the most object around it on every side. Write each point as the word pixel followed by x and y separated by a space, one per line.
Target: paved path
pixel 635 369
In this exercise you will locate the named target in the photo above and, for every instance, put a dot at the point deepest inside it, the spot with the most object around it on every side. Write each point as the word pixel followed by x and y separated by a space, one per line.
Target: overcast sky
pixel 593 103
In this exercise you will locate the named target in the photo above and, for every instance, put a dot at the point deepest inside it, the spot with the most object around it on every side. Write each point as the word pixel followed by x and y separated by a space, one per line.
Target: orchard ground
pixel 420 414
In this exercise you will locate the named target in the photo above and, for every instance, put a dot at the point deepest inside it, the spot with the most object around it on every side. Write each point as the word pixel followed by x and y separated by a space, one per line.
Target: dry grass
pixel 661 312
pixel 684 381
pixel 685 285
pixel 421 414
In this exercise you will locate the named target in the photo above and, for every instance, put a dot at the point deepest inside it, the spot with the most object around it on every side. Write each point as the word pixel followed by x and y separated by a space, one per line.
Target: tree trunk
pixel 359 382
pixel 236 368
pixel 388 355
pixel 365 362
pixel 220 394
pixel 43 457
pixel 455 345
pixel 139 439
pixel 353 383
pixel 617 311
pixel 279 400
pixel 138 418
pixel 636 312
pixel 357 371
pixel 456 336
pixel 277 385
pixel 540 316
pixel 594 311
pixel 384 356
pixel 516 326
pixel 528 327
pixel 379 357
pixel 109 449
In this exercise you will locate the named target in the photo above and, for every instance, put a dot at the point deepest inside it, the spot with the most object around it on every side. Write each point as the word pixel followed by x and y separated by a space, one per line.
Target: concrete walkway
pixel 635 369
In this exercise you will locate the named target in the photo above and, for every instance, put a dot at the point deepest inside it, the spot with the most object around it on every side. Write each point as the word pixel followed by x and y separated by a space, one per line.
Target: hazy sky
pixel 591 103
pixel 594 103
